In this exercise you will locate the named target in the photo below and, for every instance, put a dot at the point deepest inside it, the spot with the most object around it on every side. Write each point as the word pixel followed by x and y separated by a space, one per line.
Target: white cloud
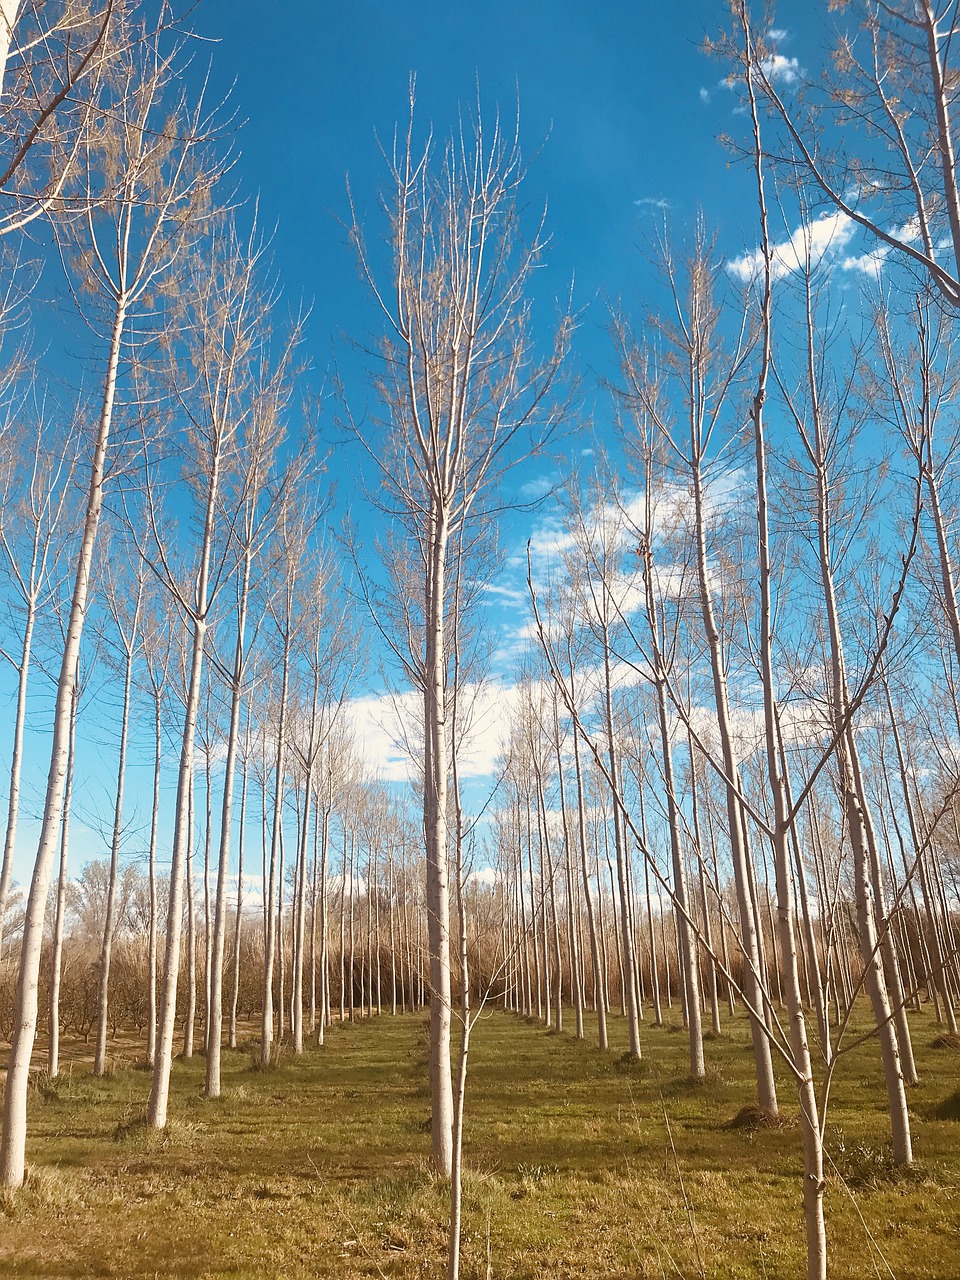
pixel 705 95
pixel 653 202
pixel 778 67
pixel 869 264
pixel 509 595
pixel 778 34
pixel 486 877
pixel 821 239
pixel 872 263
pixel 538 487
pixel 551 538
pixel 383 724
pixel 376 723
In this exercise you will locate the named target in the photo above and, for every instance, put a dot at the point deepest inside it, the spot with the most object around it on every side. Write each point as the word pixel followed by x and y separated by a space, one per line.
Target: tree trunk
pixel 110 924
pixel 216 950
pixel 599 1000
pixel 13 1144
pixel 749 941
pixel 16 762
pixel 56 962
pixel 238 918
pixel 152 881
pixel 270 941
pixel 435 832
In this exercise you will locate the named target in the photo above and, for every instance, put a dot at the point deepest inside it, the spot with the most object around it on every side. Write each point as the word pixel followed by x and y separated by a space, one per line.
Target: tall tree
pixel 462 388
pixel 133 241
pixel 33 535
pixel 226 311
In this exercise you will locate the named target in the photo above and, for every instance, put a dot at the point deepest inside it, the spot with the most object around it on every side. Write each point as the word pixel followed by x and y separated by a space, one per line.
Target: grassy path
pixel 319 1168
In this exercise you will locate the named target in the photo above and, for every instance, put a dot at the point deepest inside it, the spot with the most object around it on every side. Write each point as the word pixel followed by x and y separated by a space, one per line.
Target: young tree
pixel 462 389
pixel 255 505
pixel 876 139
pixel 32 534
pixel 226 314
pixel 133 241
pixel 127 619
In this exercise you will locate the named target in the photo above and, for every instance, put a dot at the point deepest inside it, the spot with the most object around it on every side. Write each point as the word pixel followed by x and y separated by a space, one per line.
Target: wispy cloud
pixel 509 595
pixel 823 238
pixel 538 487
pixel 653 202
pixel 705 95
pixel 376 722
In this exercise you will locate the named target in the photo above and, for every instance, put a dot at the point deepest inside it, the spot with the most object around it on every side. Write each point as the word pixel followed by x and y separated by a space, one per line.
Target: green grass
pixel 320 1166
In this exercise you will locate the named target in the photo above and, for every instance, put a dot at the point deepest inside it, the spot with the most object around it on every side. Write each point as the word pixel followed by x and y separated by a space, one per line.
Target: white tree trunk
pixel 688 951
pixel 56 961
pixel 13 1144
pixel 436 836
pixel 749 941
pixel 152 878
pixel 238 918
pixel 110 923
pixel 215 973
pixel 160 1085
pixel 9 12
pixel 271 918
pixel 16 762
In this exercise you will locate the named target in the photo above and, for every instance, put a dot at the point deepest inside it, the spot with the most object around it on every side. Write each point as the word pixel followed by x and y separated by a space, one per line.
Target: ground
pixel 580 1164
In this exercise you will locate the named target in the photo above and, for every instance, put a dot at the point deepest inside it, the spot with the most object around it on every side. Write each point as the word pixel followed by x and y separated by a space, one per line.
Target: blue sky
pixel 611 109
pixel 620 117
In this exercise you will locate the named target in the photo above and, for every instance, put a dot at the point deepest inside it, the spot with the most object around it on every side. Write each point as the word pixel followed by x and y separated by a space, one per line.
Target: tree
pixel 226 314
pixel 254 502
pixel 876 140
pixel 463 391
pixel 58 63
pixel 127 619
pixel 134 239
pixel 32 533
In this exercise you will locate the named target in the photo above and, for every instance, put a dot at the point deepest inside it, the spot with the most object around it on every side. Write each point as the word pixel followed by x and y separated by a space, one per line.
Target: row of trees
pixel 730 775
pixel 199 524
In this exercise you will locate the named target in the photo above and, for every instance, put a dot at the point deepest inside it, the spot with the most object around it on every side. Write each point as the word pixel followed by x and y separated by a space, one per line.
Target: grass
pixel 579 1165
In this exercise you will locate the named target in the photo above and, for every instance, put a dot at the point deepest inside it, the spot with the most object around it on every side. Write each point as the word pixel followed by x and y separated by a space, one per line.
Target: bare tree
pixel 257 494
pixel 463 389
pixel 156 187
pixel 876 138
pixel 127 620
pixel 683 394
pixel 226 310
pixel 32 533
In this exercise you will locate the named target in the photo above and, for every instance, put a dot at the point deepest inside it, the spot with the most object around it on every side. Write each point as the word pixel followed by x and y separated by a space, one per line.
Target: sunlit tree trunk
pixel 215 979
pixel 238 917
pixel 783 820
pixel 190 1018
pixel 595 946
pixel 9 12
pixel 56 961
pixel 129 640
pixel 12 1147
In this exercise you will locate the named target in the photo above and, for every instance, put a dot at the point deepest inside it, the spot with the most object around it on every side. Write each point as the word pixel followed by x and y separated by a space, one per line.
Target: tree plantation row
pixel 727 771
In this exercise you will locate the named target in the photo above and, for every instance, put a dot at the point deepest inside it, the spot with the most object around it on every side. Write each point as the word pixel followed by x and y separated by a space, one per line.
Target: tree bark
pixel 13 1143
